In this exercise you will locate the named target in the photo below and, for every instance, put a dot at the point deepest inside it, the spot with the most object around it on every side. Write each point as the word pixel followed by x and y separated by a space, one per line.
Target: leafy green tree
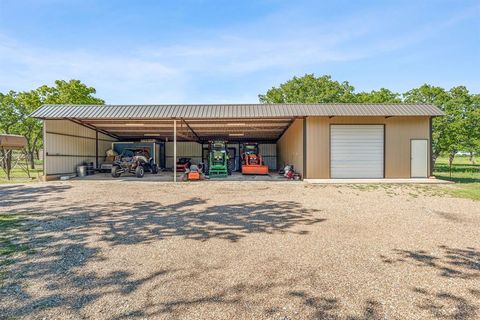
pixel 438 97
pixel 381 96
pixel 310 89
pixel 9 121
pixel 30 128
pixel 455 133
pixel 69 92
pixel 474 125
pixel 9 117
pixel 470 104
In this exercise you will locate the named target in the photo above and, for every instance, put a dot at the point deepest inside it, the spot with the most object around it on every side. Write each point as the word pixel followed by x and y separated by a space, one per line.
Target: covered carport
pixel 74 134
pixel 322 141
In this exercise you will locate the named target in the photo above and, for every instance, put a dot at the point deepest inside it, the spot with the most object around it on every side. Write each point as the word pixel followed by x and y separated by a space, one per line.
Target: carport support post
pixel 174 150
pixel 96 149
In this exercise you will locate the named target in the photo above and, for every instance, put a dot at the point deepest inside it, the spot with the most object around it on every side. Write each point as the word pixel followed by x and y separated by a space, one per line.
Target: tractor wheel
pixel 139 172
pixel 230 167
pixel 115 172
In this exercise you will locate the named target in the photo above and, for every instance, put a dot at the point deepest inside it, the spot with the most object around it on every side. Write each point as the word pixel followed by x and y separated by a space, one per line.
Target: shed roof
pixel 226 111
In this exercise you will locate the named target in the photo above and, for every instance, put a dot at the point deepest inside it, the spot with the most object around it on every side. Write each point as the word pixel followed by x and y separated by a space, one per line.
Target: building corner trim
pixel 305 148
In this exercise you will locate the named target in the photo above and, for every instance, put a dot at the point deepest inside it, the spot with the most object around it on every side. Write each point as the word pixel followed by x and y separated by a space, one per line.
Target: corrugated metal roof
pixel 196 111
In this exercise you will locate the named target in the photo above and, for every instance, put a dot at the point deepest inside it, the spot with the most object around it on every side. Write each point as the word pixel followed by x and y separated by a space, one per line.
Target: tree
pixel 472 126
pixel 438 97
pixel 71 92
pixel 310 89
pixel 30 128
pixel 9 120
pixel 9 117
pixel 381 96
pixel 454 134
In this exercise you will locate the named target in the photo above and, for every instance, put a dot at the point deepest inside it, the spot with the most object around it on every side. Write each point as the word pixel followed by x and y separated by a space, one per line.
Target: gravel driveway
pixel 233 250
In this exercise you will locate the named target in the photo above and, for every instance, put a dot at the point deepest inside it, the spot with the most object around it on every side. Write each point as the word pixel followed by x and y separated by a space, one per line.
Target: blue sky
pixel 230 51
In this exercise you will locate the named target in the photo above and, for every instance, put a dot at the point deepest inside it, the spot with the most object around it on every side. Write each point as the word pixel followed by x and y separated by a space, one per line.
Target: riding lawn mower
pixel 252 161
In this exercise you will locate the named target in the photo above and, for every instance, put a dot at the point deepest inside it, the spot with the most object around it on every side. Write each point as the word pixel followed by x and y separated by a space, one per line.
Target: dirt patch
pixel 240 250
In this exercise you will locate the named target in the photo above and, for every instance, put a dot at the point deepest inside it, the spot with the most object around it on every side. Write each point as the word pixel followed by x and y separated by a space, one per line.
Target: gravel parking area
pixel 240 250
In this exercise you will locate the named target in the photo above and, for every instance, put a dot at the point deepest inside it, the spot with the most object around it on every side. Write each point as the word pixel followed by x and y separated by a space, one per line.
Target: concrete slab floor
pixel 381 181
pixel 167 176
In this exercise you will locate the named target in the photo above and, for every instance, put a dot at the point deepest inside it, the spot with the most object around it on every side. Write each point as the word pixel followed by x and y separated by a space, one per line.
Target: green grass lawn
pixel 9 225
pixel 19 176
pixel 464 173
pixel 12 242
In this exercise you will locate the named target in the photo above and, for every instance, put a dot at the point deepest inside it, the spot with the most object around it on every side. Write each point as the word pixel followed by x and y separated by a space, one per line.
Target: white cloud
pixel 24 67
pixel 170 73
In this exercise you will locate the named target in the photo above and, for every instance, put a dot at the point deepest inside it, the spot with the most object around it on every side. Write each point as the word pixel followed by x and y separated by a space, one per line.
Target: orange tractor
pixel 252 161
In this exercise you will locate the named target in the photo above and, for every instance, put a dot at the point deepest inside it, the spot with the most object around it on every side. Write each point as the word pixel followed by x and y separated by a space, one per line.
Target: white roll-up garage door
pixel 356 151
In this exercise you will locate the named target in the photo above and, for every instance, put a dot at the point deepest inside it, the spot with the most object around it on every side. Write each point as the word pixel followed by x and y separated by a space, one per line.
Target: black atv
pixel 133 160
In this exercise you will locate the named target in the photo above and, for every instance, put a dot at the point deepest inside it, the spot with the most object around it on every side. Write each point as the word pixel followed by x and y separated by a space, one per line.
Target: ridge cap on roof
pixel 236 104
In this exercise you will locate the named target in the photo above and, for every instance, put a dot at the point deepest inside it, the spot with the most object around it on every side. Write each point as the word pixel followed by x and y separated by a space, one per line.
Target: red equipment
pixel 252 161
pixel 183 164
pixel 193 175
pixel 290 174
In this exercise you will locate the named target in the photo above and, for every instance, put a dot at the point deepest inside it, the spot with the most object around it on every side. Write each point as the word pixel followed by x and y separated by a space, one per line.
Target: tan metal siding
pixel 318 140
pixel 269 154
pixel 290 146
pixel 398 133
pixel 68 127
pixel 184 150
pixel 68 145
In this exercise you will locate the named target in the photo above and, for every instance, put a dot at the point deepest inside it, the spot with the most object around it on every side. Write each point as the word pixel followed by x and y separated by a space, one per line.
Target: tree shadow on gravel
pixel 67 238
pixel 124 223
pixel 11 195
pixel 444 305
pixel 151 221
pixel 452 262
pixel 245 297
pixel 81 290
pixel 328 308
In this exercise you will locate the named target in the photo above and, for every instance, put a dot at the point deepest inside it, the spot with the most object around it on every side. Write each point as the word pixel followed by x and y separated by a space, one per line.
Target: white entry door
pixel 356 151
pixel 419 158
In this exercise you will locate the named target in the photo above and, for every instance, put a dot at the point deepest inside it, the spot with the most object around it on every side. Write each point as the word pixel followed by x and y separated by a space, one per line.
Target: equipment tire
pixel 139 172
pixel 115 174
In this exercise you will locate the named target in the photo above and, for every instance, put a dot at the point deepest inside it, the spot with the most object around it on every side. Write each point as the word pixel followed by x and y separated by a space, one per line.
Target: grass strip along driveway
pixel 465 174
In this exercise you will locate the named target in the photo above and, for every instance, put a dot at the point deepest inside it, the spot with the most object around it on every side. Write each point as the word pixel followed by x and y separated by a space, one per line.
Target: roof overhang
pixel 200 130
pixel 238 122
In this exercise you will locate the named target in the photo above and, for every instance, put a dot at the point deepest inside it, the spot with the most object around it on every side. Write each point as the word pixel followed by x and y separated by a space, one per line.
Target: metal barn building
pixel 322 141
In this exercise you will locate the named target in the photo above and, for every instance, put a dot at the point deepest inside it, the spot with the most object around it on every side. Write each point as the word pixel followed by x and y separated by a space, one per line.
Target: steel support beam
pixel 174 150
pixel 96 149
pixel 305 151
pixel 91 127
pixel 193 131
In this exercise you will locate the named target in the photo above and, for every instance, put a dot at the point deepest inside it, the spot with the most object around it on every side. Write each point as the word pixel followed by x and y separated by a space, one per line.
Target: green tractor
pixel 218 160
